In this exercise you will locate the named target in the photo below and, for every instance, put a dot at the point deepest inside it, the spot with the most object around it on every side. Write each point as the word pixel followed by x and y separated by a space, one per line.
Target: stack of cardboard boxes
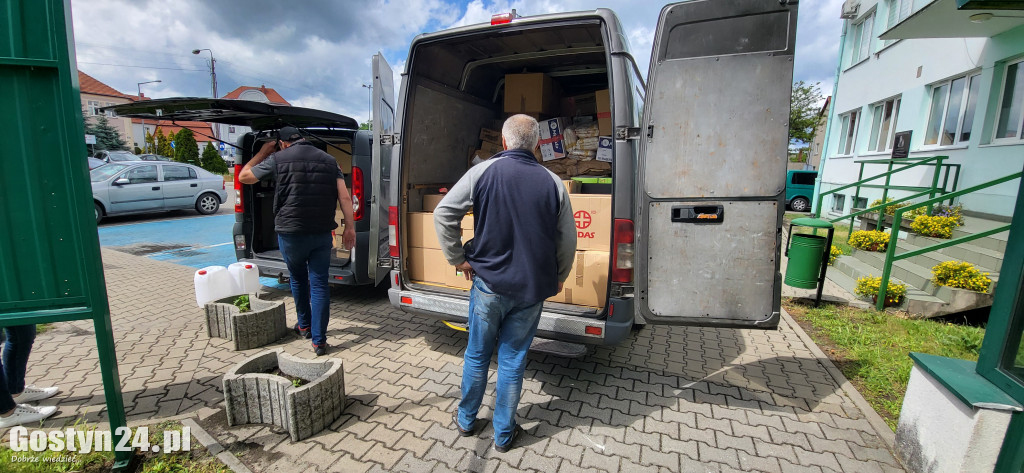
pixel 588 281
pixel 344 158
pixel 426 262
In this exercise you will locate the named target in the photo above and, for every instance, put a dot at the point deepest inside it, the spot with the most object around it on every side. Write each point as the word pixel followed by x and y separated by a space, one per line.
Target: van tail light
pixel 357 193
pixel 504 18
pixel 623 251
pixel 393 231
pixel 238 189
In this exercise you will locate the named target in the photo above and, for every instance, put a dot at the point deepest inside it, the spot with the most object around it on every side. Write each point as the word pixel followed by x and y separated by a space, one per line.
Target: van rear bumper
pixel 276 269
pixel 552 325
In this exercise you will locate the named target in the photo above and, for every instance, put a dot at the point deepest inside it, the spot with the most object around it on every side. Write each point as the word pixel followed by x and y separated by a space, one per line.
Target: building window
pixel 94 108
pixel 231 129
pixel 861 203
pixel 952 111
pixel 110 113
pixel 848 132
pixel 860 47
pixel 838 202
pixel 896 11
pixel 883 124
pixel 1011 103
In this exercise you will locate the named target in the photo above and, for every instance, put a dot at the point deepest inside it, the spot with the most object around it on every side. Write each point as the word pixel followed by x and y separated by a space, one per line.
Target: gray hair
pixel 521 132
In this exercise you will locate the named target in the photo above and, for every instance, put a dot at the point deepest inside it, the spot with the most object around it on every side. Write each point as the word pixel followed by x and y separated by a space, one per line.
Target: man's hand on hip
pixel 466 269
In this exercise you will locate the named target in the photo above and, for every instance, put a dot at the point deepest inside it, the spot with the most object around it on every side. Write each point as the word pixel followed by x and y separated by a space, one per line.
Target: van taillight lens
pixel 238 189
pixel 623 251
pixel 357 193
pixel 393 231
pixel 502 18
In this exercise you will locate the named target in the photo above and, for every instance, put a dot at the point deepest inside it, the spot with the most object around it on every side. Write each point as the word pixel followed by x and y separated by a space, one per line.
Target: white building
pixel 954 78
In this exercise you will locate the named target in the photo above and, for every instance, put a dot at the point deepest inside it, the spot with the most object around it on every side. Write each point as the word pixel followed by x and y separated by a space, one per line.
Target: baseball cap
pixel 288 133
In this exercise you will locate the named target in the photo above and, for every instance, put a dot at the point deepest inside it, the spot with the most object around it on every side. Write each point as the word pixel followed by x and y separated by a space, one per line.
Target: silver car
pixel 143 187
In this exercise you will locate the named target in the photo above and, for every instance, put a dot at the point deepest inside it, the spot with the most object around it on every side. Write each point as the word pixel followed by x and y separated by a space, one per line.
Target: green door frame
pixel 50 267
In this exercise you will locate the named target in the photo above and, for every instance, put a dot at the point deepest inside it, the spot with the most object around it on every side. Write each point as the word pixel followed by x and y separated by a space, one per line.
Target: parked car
pixel 800 189
pixel 366 175
pixel 95 163
pixel 115 156
pixel 122 188
pixel 153 157
pixel 690 234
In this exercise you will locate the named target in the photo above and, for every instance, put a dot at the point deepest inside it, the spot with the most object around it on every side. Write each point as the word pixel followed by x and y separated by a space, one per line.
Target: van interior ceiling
pixel 457 95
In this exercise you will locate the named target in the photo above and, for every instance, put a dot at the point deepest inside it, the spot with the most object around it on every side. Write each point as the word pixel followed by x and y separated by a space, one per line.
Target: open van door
pixel 384 138
pixel 712 164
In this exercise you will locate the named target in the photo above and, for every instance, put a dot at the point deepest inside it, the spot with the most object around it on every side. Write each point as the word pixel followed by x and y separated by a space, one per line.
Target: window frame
pixel 1019 62
pixel 876 124
pixel 110 113
pixel 190 174
pixel 847 145
pixel 838 199
pixel 94 107
pixel 856 52
pixel 965 95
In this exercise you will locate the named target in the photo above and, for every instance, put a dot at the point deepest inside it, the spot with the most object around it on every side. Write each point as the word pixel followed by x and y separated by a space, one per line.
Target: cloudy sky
pixel 316 53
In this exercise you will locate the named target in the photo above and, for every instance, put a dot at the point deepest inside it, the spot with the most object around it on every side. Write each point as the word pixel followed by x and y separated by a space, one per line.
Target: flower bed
pixel 869 240
pixel 868 286
pixel 935 227
pixel 960 274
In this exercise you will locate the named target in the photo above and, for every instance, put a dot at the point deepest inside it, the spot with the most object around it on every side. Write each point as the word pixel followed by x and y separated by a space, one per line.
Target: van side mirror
pixel 122 181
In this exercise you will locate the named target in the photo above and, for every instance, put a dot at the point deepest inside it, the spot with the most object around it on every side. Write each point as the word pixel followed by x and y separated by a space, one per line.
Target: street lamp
pixel 213 69
pixel 369 105
pixel 145 145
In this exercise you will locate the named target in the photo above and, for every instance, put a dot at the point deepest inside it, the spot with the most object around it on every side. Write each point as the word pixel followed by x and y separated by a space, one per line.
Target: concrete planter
pixel 264 324
pixel 252 396
pixel 869 221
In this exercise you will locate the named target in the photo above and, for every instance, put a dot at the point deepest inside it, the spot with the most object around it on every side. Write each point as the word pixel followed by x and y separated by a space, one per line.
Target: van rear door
pixel 712 164
pixel 384 138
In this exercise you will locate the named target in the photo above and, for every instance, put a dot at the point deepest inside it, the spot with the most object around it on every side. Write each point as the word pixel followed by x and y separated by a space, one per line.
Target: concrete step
pixel 911 273
pixel 974 225
pixel 983 257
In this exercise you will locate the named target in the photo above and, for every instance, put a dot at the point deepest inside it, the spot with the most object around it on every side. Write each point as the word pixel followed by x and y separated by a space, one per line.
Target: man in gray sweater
pixel 522 252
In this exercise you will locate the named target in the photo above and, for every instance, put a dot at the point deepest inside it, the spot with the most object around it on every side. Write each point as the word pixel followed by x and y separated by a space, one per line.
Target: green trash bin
pixel 807 253
pixel 804 267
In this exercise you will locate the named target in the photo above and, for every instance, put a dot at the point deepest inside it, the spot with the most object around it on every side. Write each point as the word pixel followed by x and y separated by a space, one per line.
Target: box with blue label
pixel 552 142
pixel 604 148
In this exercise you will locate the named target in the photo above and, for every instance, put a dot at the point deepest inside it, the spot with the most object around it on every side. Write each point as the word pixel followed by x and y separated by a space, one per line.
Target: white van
pixel 697 170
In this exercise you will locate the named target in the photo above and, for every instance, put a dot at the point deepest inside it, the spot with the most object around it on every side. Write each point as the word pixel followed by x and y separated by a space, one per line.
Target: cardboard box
pixel 344 158
pixel 578 105
pixel 490 148
pixel 587 284
pixel 571 186
pixel 604 148
pixel 430 201
pixel 604 112
pixel 427 265
pixel 487 134
pixel 529 93
pixel 422 234
pixel 455 278
pixel 552 144
pixel 593 214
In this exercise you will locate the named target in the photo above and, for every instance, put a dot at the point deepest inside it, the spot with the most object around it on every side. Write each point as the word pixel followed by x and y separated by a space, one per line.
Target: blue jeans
pixel 308 257
pixel 496 320
pixel 15 363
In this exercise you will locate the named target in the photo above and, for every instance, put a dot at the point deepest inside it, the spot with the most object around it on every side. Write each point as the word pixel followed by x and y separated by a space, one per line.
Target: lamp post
pixel 213 82
pixel 369 105
pixel 145 146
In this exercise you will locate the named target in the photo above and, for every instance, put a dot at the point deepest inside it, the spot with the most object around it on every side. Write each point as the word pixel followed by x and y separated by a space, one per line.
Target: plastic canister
pixel 212 283
pixel 246 278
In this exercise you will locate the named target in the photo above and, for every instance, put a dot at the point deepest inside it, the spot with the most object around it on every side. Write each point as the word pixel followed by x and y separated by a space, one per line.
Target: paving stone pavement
pixel 669 399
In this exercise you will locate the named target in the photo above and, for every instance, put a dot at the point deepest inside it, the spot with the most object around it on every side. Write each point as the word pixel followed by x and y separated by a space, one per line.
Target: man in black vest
pixel 309 182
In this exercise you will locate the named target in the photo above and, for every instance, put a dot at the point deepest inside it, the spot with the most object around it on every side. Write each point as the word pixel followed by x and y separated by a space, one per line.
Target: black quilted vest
pixel 307 190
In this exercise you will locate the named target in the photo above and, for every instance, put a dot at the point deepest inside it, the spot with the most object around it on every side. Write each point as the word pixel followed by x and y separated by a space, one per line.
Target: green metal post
pixel 890 251
pixel 935 182
pixel 856 195
pixel 885 194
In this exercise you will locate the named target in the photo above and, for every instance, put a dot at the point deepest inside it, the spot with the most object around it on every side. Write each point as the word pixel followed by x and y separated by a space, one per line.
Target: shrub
pixel 960 274
pixel 955 212
pixel 833 254
pixel 889 209
pixel 868 286
pixel 938 227
pixel 870 240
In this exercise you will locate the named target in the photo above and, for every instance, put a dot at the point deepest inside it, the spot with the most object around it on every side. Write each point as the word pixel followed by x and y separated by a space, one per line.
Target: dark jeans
pixel 500 322
pixel 308 257
pixel 15 363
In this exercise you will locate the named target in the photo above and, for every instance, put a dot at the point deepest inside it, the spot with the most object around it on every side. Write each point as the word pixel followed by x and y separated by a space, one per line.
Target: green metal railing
pixel 940 169
pixel 890 253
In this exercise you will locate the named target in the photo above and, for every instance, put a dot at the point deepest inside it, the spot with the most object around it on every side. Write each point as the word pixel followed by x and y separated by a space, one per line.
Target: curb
pixel 877 423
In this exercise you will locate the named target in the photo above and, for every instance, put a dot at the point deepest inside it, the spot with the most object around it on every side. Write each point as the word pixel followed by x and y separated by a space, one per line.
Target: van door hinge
pixel 390 139
pixel 627 133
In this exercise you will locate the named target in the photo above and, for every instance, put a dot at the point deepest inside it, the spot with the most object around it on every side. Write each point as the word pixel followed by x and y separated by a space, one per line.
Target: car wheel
pixel 207 204
pixel 799 204
pixel 99 212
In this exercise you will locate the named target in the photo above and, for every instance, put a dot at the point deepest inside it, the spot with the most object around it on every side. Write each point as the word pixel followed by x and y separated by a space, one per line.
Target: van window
pixel 803 178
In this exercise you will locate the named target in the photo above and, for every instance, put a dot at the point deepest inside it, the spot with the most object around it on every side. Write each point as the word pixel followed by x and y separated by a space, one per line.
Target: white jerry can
pixel 213 283
pixel 246 277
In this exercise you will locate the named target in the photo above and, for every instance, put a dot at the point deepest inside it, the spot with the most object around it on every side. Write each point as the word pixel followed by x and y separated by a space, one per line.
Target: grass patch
pixel 197 460
pixel 871 348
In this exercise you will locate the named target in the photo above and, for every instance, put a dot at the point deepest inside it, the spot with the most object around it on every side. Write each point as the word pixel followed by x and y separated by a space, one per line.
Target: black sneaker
pixel 516 432
pixel 463 432
pixel 320 350
pixel 303 332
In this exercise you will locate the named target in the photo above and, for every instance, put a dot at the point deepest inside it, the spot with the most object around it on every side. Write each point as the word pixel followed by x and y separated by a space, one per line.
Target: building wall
pixel 909 69
pixel 123 125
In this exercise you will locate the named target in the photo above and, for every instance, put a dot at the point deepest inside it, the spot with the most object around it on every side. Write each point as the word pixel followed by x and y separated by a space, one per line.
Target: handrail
pixel 890 252
pixel 939 159
pixel 880 206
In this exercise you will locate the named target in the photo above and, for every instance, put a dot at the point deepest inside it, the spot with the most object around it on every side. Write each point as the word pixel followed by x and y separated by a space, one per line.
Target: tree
pixel 186 150
pixel 107 136
pixel 163 143
pixel 803 113
pixel 149 145
pixel 365 126
pixel 212 161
